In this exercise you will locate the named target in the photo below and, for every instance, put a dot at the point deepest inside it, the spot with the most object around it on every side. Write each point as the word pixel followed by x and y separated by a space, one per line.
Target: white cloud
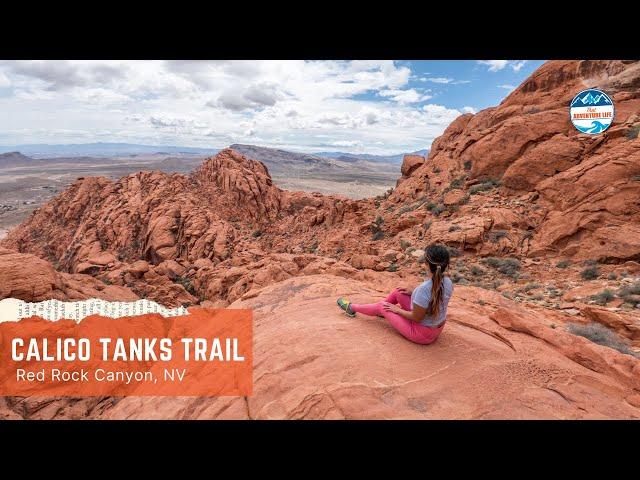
pixel 494 65
pixel 497 65
pixel 507 86
pixel 4 80
pixel 444 80
pixel 306 104
pixel 469 110
pixel 516 66
pixel 410 95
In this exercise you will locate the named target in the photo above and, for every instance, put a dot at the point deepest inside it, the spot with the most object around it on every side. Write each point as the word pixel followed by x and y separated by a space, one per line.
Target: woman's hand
pixel 406 291
pixel 390 307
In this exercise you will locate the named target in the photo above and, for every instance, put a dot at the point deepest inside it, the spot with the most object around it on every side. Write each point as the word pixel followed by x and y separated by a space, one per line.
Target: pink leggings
pixel 409 329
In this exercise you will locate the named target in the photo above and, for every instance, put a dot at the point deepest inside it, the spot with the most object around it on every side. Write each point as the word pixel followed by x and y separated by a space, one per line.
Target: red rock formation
pixel 516 180
pixel 29 278
pixel 494 360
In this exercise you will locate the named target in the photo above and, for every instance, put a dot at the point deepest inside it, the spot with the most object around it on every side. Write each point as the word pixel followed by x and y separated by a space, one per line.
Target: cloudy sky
pixel 359 106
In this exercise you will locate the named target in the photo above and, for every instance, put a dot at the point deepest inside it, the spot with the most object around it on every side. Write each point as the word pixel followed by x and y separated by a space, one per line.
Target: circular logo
pixel 591 111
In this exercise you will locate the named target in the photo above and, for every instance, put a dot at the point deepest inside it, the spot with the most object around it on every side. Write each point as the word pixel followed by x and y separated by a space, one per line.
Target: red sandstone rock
pixel 410 163
pixel 226 234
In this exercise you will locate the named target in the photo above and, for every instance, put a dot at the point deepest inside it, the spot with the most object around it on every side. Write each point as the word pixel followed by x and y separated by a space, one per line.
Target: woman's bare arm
pixel 416 314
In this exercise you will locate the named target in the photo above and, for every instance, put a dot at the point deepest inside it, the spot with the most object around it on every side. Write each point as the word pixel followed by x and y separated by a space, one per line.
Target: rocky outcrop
pixel 533 211
pixel 494 360
pixel 29 278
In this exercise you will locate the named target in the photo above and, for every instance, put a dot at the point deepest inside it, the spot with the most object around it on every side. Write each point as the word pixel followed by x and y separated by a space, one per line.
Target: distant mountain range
pixel 102 150
pixel 14 159
pixel 350 157
pixel 283 160
pixel 272 157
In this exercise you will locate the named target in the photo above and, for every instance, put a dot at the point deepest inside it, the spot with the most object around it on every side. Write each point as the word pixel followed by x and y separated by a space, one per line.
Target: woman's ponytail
pixel 436 292
pixel 437 257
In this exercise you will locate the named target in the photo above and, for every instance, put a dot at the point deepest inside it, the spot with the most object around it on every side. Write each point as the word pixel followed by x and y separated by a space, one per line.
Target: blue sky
pixel 360 106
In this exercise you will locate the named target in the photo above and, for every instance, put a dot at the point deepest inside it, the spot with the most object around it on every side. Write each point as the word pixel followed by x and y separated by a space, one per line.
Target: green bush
pixel 601 335
pixel 393 267
pixel 507 266
pixel 496 235
pixel 477 271
pixel 457 182
pixel 633 132
pixel 404 244
pixel 530 286
pixel 603 297
pixel 438 210
pixel 590 273
pixel 484 186
pixel 256 234
pixel 467 165
pixel 563 264
pixel 630 293
pixel 379 235
pixel 186 283
pixel 405 209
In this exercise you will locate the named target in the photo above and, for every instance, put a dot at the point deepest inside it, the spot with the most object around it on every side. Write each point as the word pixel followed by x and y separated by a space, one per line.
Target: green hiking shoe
pixel 345 305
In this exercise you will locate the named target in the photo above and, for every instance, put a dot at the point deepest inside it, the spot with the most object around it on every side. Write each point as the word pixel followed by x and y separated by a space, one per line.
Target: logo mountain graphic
pixel 590 99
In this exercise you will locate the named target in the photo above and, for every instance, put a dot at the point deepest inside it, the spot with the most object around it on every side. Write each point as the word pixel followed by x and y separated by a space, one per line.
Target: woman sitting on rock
pixel 418 315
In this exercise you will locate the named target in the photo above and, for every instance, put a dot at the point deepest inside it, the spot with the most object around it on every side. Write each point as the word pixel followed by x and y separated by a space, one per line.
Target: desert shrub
pixel 393 267
pixel 603 297
pixel 406 208
pixel 507 266
pixel 431 206
pixel 612 276
pixel 630 293
pixel 601 335
pixel 454 228
pixel 562 264
pixel 537 297
pixel 624 274
pixel 257 234
pixel 186 283
pixel 530 286
pixel 496 235
pixel 457 182
pixel 467 165
pixel 404 244
pixel 554 293
pixel 590 273
pixel 484 186
pixel 438 209
pixel 589 263
pixel 633 132
pixel 376 231
pixel 477 271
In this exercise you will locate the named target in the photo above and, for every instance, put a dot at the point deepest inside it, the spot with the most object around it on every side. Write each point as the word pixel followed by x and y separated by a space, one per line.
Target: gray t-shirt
pixel 422 295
